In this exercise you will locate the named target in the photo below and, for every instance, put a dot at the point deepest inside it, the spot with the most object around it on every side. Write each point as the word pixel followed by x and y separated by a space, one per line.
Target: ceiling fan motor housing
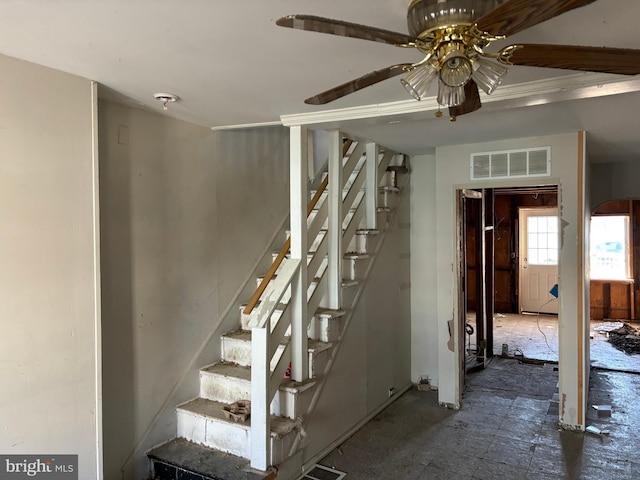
pixel 425 15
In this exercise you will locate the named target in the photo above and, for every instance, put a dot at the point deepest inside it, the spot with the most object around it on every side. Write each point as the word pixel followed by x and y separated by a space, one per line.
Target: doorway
pixel 493 253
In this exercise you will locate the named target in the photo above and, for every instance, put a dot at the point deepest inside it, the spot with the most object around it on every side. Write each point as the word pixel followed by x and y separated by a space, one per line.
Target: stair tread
pixel 212 409
pixel 245 336
pixel 210 463
pixel 355 256
pixel 329 313
pixel 398 168
pixel 228 369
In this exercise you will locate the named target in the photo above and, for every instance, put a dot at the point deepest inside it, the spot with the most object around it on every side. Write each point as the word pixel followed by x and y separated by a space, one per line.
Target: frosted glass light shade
pixel 456 71
pixel 488 75
pixel 450 96
pixel 418 80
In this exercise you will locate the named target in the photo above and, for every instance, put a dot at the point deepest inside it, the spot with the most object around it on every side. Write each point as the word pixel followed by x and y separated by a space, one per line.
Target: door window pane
pixel 542 240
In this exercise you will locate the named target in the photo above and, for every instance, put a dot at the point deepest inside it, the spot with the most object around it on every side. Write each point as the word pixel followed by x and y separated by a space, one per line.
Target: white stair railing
pixel 313 273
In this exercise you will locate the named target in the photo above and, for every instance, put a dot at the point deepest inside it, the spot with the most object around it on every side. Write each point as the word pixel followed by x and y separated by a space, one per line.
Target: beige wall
pixel 185 214
pixel 49 305
pixel 374 355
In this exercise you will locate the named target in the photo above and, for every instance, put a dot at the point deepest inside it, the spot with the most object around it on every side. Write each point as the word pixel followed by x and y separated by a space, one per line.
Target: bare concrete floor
pixel 506 428
pixel 537 337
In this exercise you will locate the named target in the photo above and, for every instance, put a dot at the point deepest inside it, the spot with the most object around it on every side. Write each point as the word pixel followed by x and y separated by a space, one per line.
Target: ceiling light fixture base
pixel 166 98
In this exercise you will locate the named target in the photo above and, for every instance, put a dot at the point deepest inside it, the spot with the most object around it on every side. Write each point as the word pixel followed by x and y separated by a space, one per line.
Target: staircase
pixel 290 330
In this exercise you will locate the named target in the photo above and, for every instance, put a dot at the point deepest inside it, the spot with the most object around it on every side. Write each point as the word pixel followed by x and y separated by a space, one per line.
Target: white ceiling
pixel 231 65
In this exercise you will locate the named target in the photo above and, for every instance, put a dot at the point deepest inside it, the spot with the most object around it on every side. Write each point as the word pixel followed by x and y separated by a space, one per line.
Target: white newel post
pixel 299 153
pixel 371 186
pixel 334 268
pixel 260 406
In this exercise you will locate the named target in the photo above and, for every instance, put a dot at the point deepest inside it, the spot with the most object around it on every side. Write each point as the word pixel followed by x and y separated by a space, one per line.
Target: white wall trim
pixel 96 282
pixel 247 125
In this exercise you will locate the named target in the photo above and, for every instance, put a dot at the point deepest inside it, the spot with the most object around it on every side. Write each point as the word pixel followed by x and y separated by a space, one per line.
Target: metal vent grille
pixel 320 472
pixel 531 162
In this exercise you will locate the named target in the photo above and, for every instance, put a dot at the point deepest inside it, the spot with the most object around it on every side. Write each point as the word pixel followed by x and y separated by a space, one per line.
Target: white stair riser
pixel 325 329
pixel 228 437
pixel 239 351
pixel 349 269
pixel 224 436
pixel 291 404
pixel 221 388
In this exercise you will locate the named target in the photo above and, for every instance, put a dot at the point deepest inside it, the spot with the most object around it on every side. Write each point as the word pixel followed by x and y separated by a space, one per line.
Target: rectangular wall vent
pixel 530 162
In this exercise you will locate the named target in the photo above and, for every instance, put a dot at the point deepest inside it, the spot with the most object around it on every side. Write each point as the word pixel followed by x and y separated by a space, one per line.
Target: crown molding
pixel 568 87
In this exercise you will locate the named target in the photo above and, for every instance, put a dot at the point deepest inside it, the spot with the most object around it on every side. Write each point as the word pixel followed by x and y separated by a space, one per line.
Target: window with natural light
pixel 542 240
pixel 610 247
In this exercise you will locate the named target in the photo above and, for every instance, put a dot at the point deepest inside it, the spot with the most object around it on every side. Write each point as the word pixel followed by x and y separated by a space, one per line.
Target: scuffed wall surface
pixel 424 332
pixel 375 354
pixel 185 213
pixel 49 365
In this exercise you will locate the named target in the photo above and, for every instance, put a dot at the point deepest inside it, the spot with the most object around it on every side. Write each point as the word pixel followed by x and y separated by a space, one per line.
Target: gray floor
pixel 537 337
pixel 505 429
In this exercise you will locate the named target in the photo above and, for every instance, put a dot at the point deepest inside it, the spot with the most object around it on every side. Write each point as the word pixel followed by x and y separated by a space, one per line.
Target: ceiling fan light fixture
pixel 450 96
pixel 418 80
pixel 487 74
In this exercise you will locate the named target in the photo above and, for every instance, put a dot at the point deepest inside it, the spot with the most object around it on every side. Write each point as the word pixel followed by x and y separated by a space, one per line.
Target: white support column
pixel 299 152
pixel 371 186
pixel 260 405
pixel 334 268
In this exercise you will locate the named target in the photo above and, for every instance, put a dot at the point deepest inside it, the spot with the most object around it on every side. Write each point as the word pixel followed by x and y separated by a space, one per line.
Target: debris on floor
pixel 625 338
pixel 605 327
pixel 424 384
pixel 239 410
pixel 597 431
pixel 603 410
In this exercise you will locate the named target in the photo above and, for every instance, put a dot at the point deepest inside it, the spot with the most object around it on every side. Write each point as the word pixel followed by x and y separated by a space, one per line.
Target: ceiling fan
pixel 453 36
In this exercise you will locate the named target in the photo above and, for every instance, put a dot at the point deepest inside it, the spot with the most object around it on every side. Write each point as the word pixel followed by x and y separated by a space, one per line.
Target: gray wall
pixel 614 181
pixel 49 305
pixel 185 214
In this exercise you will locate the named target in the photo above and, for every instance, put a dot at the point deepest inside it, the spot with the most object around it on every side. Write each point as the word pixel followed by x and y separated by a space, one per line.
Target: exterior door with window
pixel 538 259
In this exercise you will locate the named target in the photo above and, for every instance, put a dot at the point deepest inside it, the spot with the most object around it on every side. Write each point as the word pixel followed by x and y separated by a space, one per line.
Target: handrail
pixel 287 245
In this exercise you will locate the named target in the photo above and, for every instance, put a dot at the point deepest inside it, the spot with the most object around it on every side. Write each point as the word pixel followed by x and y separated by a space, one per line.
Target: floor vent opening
pixel 320 472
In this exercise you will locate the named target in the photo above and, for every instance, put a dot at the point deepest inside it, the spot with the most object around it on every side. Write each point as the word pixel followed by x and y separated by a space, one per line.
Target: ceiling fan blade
pixel 516 15
pixel 590 59
pixel 471 101
pixel 357 84
pixel 345 29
